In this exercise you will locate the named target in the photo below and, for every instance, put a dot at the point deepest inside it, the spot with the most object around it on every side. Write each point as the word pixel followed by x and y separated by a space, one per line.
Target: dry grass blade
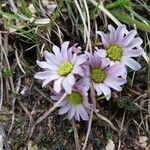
pixel 76 136
pixel 105 11
pixel 107 120
pixel 3 139
pixel 50 110
pixel 88 131
pixel 86 31
pixel 92 95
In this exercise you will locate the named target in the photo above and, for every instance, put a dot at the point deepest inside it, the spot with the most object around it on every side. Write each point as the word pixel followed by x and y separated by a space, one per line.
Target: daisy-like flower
pixel 121 45
pixel 75 104
pixel 61 67
pixel 102 76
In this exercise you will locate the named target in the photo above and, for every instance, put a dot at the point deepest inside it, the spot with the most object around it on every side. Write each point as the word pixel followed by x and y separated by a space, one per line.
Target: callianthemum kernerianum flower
pixel 61 67
pixel 103 76
pixel 75 104
pixel 121 45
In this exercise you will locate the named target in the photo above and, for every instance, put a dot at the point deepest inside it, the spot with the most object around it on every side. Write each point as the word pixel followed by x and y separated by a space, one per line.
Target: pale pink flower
pixel 102 76
pixel 75 104
pixel 61 67
pixel 121 45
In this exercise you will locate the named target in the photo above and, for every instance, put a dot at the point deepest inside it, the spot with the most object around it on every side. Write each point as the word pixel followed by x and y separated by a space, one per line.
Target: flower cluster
pixel 104 69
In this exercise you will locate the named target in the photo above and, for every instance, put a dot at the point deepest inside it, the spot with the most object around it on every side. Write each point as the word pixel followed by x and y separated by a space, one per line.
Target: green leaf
pixel 25 9
pixel 94 12
pixel 117 4
pixel 8 15
pixel 101 98
pixel 131 21
pixel 6 73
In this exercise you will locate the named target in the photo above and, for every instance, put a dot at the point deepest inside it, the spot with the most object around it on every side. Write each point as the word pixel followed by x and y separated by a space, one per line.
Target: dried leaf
pixel 32 146
pixel 42 21
pixel 143 141
pixel 110 145
pixel 1 142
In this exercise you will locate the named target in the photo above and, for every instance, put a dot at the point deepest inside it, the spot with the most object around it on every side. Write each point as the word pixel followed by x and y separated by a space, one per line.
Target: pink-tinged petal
pixel 64 109
pixel 74 58
pixel 81 59
pixel 55 97
pixel 77 116
pixel 57 85
pixel 63 103
pixel 115 83
pixel 104 37
pixel 96 60
pixel 64 50
pixel 98 90
pixel 71 112
pixel 51 58
pixel 78 70
pixel 49 79
pixel 129 37
pixel 83 83
pixel 131 63
pixel 120 32
pixel 71 79
pixel 43 75
pixel 83 113
pixel 44 64
pixel 67 86
pixel 132 53
pixel 57 53
pixel 104 63
pixel 112 34
pixel 101 52
pixel 135 43
pixel 116 70
pixel 106 90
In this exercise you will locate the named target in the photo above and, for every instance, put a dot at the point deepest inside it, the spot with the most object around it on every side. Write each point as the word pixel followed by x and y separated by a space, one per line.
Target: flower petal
pixel 57 85
pixel 81 59
pixel 77 116
pixel 116 70
pixel 71 112
pixel 49 79
pixel 131 63
pixel 120 32
pixel 64 50
pixel 135 43
pixel 106 90
pixel 112 34
pixel 64 109
pixel 78 70
pixel 101 52
pixel 51 58
pixel 98 90
pixel 104 63
pixel 104 37
pixel 83 113
pixel 67 86
pixel 71 79
pixel 132 53
pixel 115 83
pixel 44 64
pixel 74 58
pixel 43 75
pixel 56 50
pixel 129 37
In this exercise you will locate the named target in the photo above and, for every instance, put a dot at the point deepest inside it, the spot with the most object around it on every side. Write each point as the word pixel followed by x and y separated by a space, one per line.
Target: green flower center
pixel 75 98
pixel 65 68
pixel 98 75
pixel 114 52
